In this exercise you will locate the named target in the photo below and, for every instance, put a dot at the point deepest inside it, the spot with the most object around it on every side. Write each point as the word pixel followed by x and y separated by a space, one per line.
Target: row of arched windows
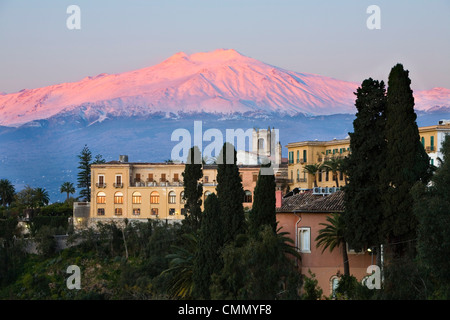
pixel 154 197
pixel 137 197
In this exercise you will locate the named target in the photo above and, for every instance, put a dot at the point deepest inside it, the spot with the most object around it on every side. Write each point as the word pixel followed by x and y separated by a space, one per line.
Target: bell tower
pixel 265 144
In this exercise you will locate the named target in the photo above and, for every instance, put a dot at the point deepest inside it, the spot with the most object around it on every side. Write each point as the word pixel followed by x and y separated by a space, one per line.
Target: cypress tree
pixel 406 162
pixel 84 175
pixel 230 193
pixel 363 194
pixel 193 190
pixel 263 210
pixel 208 259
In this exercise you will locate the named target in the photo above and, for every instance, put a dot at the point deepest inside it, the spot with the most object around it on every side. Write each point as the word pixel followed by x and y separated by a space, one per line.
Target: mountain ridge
pixel 223 81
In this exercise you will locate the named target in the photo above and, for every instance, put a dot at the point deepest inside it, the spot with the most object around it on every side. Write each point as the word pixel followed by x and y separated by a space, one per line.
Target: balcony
pixel 301 180
pixel 100 185
pixel 118 185
pixel 430 149
pixel 157 184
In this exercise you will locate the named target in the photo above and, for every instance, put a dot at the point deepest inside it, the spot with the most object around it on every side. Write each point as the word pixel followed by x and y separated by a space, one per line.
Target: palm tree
pixel 286 244
pixel 342 167
pixel 335 165
pixel 181 268
pixel 332 236
pixel 7 192
pixel 40 197
pixel 313 169
pixel 68 188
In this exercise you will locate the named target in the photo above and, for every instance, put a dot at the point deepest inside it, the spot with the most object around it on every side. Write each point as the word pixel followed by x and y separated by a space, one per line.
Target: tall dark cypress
pixel 230 193
pixel 363 213
pixel 263 209
pixel 193 190
pixel 210 240
pixel 406 162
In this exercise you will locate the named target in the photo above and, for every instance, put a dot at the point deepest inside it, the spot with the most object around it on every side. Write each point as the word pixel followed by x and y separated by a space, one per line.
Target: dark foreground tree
pixel 363 213
pixel 432 209
pixel 230 193
pixel 259 268
pixel 263 209
pixel 208 257
pixel 193 190
pixel 406 162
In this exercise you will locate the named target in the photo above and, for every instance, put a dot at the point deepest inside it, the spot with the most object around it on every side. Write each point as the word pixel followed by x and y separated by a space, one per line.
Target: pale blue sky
pixel 329 38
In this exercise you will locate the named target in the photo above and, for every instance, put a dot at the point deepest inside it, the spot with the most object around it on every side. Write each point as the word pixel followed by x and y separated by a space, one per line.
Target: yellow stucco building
pixel 302 154
pixel 141 191
pixel 122 189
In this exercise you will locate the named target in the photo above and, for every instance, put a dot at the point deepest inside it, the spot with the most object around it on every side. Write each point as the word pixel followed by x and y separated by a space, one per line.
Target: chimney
pixel 278 198
pixel 123 158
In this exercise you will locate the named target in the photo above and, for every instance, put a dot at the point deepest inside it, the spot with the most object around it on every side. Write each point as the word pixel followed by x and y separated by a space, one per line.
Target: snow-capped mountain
pixel 220 82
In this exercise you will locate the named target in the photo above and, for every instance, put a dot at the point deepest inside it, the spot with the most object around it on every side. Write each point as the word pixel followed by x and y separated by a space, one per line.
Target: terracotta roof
pixel 291 203
pixel 309 202
pixel 328 203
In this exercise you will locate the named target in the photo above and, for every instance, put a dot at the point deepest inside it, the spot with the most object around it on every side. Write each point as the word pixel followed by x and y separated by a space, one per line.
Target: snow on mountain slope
pixel 222 81
pixel 429 100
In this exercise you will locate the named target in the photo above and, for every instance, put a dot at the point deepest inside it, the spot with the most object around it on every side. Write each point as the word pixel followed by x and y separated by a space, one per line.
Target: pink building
pixel 301 215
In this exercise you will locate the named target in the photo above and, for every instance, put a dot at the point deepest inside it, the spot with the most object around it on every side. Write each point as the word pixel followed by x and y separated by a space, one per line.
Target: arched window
pixel 182 200
pixel 207 193
pixel 118 197
pixel 261 142
pixel 248 196
pixel 101 197
pixel 172 197
pixel 137 198
pixel 154 197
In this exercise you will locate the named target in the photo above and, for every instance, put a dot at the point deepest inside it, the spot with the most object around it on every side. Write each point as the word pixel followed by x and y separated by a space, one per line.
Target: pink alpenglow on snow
pixel 221 82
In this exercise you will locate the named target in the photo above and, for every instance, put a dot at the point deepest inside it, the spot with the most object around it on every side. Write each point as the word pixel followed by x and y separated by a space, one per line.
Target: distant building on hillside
pixel 306 153
pixel 141 191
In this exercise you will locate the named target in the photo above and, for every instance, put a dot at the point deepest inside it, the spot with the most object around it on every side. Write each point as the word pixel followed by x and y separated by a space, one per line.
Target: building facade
pixel 301 215
pixel 432 138
pixel 302 154
pixel 141 191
